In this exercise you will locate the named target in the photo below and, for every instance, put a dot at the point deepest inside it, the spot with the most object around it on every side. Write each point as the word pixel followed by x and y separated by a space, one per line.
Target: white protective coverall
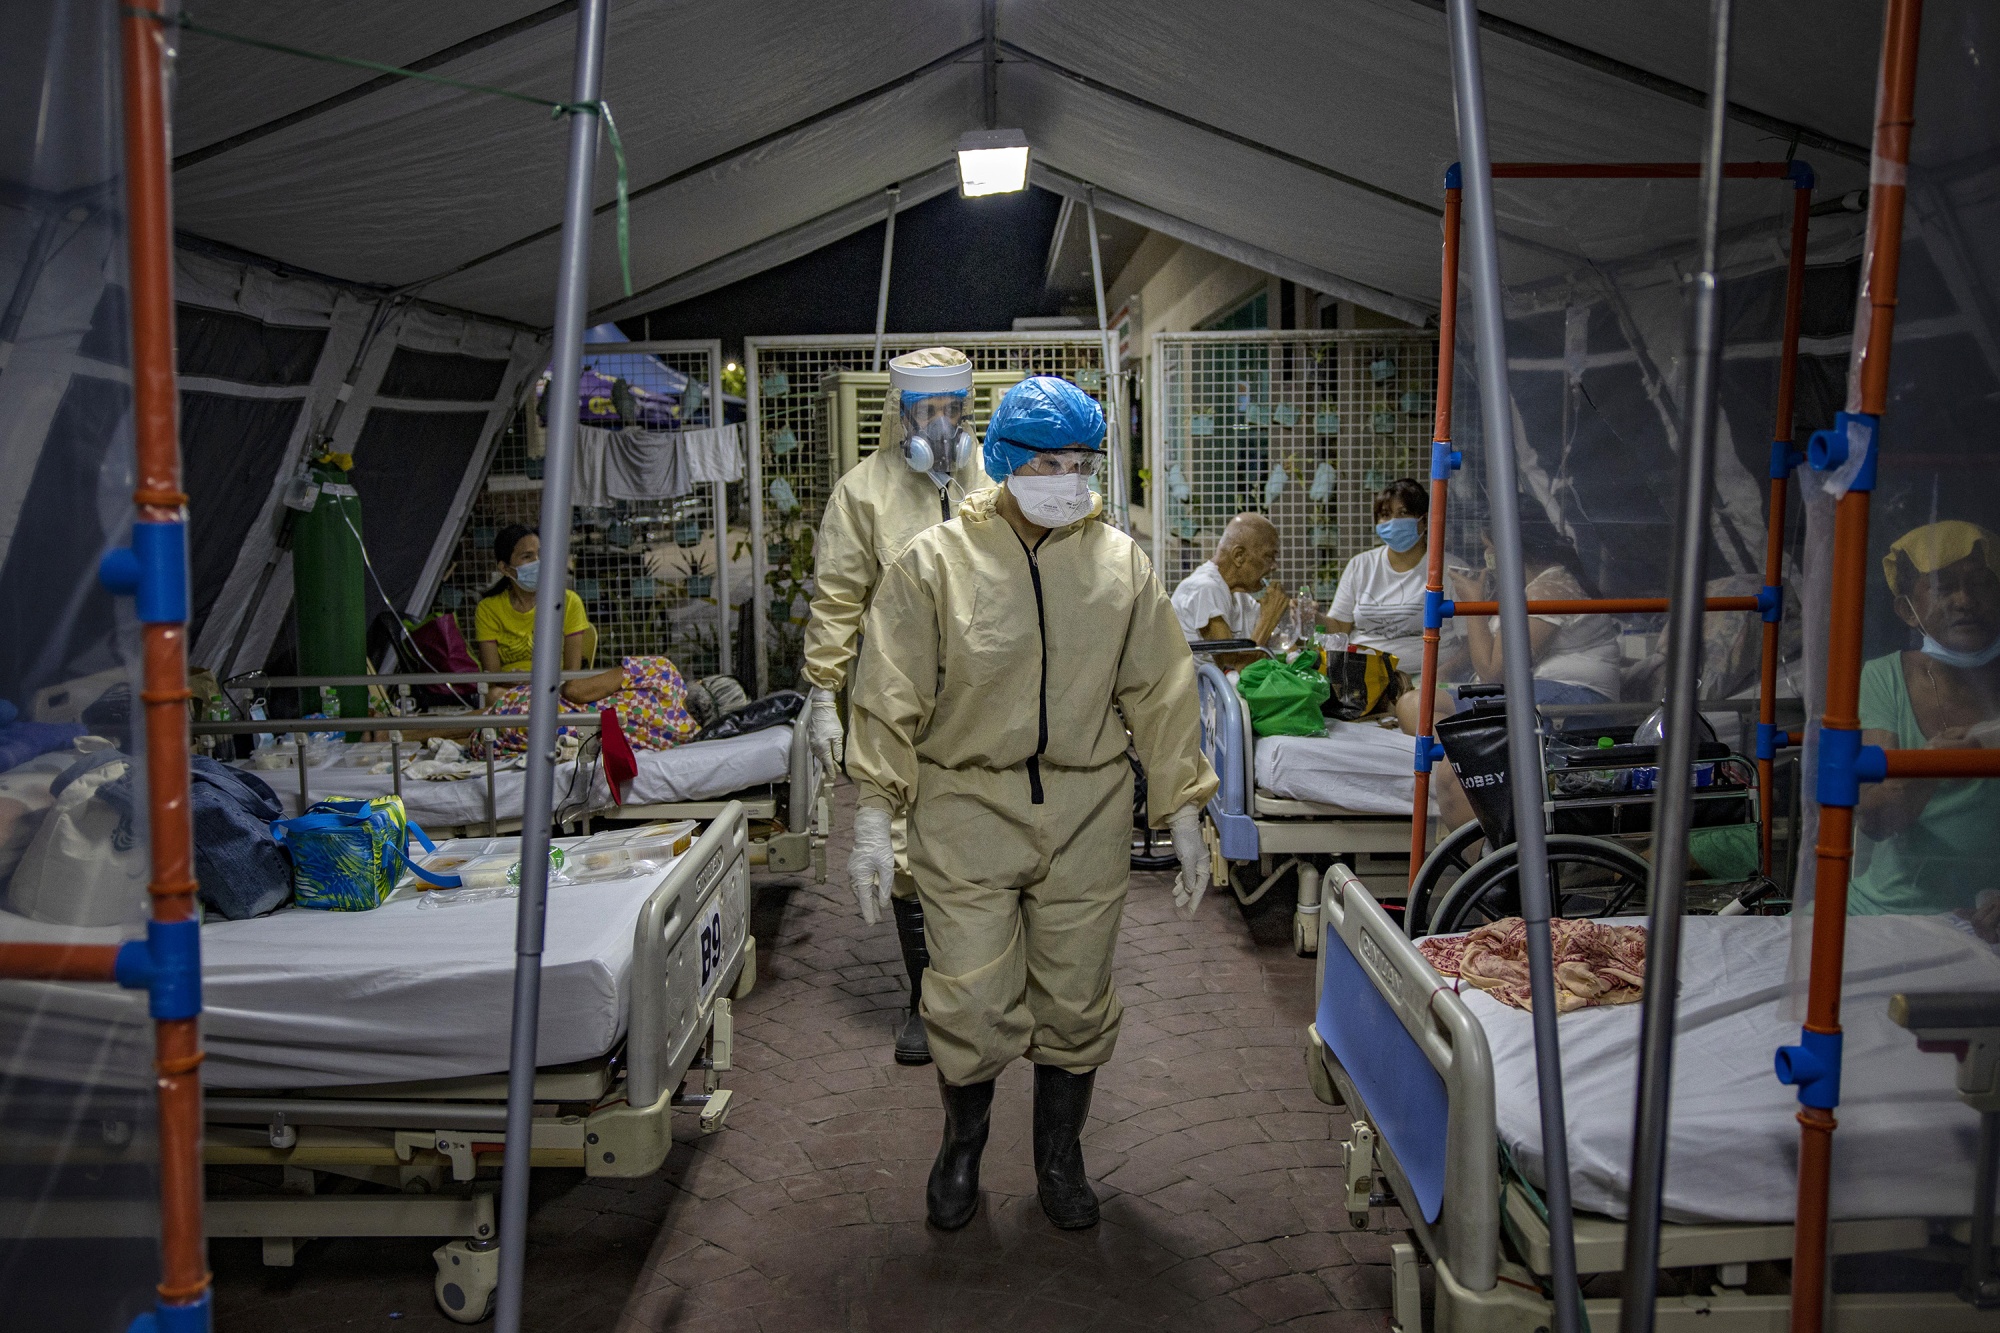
pixel 870 518
pixel 988 704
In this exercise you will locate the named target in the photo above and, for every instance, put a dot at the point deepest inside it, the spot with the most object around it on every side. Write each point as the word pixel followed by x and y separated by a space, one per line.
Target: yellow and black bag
pixel 1361 682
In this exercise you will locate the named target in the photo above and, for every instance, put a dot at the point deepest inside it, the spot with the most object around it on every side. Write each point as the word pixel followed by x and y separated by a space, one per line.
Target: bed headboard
pixel 1417 1060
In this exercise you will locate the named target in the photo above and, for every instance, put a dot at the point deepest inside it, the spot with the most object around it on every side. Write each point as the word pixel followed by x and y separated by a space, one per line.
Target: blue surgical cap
pixel 1038 415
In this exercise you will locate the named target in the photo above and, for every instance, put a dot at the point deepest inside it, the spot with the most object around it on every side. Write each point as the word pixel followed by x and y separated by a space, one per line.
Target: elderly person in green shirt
pixel 1927 846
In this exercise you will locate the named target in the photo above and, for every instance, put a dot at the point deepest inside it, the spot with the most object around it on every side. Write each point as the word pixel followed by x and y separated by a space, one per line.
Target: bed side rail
pixel 1419 1062
pixel 717 864
pixel 1226 739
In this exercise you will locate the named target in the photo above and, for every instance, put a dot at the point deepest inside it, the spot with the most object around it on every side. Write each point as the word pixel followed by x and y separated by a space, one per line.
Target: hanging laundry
pixel 1177 483
pixel 645 465
pixel 715 454
pixel 782 496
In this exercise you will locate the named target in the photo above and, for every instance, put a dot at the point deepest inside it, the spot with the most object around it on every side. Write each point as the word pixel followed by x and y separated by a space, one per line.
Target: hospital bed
pixel 1295 804
pixel 771 773
pixel 1440 1083
pixel 372 1047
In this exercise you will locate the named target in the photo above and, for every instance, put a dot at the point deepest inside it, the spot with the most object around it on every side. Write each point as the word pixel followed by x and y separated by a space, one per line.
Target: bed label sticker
pixel 711 947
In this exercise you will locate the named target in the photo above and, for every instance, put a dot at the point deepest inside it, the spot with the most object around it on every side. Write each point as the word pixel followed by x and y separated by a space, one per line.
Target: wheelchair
pixel 1597 803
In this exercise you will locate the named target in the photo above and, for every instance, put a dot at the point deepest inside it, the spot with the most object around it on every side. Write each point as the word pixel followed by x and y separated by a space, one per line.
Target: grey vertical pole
pixel 1524 751
pixel 715 415
pixel 572 294
pixel 1114 487
pixel 888 258
pixel 1671 801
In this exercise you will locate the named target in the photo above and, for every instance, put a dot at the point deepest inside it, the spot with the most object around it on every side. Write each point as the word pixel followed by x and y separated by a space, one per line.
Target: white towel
pixel 715 454
pixel 587 482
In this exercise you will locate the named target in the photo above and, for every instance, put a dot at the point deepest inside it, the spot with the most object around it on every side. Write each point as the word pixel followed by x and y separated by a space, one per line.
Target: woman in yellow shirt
pixel 503 624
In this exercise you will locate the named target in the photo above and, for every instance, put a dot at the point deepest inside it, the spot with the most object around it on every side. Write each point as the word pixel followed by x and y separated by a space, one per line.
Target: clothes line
pixel 639 464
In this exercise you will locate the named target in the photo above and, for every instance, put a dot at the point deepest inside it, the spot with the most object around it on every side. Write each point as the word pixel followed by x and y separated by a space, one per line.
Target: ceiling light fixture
pixel 992 162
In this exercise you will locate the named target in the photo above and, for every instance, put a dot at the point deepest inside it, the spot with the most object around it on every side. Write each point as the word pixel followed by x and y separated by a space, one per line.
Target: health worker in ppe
pixel 928 462
pixel 1005 657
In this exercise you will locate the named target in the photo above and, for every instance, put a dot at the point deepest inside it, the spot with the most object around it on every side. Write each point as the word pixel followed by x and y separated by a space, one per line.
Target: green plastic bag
pixel 1284 698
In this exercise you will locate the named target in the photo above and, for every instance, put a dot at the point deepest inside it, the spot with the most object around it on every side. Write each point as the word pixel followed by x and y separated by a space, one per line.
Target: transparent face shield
pixel 937 422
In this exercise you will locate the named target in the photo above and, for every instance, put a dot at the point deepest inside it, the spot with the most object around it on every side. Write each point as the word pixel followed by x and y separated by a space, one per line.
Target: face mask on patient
pixel 528 573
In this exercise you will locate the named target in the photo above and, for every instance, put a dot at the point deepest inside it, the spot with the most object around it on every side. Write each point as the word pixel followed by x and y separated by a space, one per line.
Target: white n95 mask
pixel 1053 502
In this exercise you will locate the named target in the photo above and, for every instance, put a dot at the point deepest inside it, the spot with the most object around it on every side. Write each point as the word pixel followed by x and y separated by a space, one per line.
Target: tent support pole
pixel 1671 804
pixel 1442 462
pixel 895 192
pixel 161 515
pixel 544 702
pixel 1524 751
pixel 1867 400
pixel 1115 486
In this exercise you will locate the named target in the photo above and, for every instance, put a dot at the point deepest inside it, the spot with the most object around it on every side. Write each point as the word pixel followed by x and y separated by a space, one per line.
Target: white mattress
pixel 699 772
pixel 1905 1143
pixel 1357 766
pixel 302 999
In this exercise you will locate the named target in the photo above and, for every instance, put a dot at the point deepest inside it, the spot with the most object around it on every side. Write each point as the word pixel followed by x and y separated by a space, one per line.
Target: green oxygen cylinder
pixel 328 583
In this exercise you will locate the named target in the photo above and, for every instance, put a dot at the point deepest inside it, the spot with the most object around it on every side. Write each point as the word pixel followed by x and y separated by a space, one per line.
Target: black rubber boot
pixel 953 1196
pixel 1062 1104
pixel 913 1046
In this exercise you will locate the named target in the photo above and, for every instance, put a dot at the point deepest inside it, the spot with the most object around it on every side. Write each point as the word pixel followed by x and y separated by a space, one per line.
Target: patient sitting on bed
pixel 1928 846
pixel 647 693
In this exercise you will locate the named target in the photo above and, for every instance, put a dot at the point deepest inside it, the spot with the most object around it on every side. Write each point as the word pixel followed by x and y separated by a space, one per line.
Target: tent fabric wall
pixel 1316 134
pixel 255 399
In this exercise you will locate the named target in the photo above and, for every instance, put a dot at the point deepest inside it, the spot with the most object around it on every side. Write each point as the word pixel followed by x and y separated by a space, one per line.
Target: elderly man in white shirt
pixel 1220 599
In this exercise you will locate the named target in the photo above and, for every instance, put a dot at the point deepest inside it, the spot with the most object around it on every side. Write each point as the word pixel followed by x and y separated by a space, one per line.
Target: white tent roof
pixel 1307 139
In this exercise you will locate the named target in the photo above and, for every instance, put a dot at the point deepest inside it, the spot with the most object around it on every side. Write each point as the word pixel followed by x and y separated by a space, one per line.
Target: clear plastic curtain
pixel 78 1190
pixel 1594 276
pixel 1924 848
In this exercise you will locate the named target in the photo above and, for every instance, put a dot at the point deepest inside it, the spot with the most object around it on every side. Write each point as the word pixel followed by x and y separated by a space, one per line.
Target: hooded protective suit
pixel 871 516
pixel 988 704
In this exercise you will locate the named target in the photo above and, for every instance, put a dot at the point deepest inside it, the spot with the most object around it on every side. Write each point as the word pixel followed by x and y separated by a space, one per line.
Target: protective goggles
pixel 1060 462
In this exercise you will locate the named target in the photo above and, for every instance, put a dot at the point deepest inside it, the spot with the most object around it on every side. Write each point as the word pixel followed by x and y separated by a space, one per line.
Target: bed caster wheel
pixel 468 1275
pixel 1305 934
pixel 1359 1221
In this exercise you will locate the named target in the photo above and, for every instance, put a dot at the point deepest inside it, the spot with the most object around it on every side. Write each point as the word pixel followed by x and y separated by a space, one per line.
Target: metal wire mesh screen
pixel 1304 427
pixel 646 569
pixel 792 424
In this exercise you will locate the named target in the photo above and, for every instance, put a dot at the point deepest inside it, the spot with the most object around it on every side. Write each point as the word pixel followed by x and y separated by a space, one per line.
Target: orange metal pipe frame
pixel 1774 529
pixel 184 1277
pixel 58 962
pixel 1601 606
pixel 1440 493
pixel 1895 113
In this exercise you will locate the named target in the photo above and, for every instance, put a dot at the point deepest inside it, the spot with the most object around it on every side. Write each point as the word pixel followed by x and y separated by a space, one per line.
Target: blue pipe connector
pixel 1771 603
pixel 1829 450
pixel 1785 459
pixel 1437 609
pixel 153 570
pixel 1771 738
pixel 1845 763
pixel 1813 1067
pixel 167 966
pixel 1445 460
pixel 164 1318
pixel 1430 750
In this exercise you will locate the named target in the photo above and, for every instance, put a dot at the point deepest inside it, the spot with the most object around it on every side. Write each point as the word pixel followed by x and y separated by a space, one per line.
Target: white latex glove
pixel 1192 882
pixel 871 867
pixel 829 742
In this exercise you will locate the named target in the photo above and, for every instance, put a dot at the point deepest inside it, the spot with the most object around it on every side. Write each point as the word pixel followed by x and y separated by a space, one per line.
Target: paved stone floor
pixel 1217 1168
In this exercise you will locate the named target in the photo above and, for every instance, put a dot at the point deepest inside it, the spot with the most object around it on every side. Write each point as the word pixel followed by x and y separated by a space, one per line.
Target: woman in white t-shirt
pixel 1576 656
pixel 1379 602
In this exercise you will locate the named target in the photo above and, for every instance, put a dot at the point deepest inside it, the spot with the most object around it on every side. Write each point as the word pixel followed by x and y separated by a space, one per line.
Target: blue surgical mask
pixel 1954 657
pixel 1399 534
pixel 528 573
